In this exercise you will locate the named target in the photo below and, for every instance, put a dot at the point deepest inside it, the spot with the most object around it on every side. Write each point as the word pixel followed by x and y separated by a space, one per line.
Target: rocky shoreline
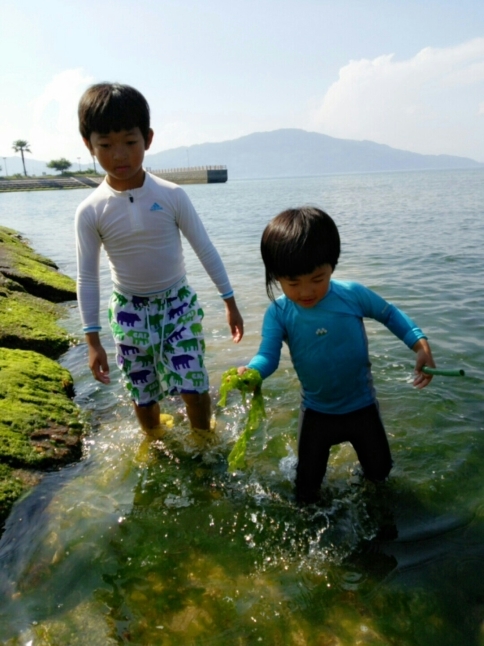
pixel 40 425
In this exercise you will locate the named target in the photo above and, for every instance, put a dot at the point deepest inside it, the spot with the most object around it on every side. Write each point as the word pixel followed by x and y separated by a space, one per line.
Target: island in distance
pixel 298 153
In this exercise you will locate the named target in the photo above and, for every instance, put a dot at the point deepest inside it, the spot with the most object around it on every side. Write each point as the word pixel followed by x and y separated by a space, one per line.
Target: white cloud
pixel 54 126
pixel 429 103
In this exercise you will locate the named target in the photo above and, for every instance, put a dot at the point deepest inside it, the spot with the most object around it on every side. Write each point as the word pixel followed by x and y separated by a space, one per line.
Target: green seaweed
pixel 249 382
pixel 40 426
pixel 35 400
pixel 11 488
pixel 35 273
pixel 30 323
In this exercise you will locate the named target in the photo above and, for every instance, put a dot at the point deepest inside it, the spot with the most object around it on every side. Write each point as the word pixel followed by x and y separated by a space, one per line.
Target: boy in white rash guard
pixel 154 314
pixel 321 320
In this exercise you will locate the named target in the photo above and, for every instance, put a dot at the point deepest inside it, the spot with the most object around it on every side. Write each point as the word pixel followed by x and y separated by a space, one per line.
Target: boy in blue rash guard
pixel 321 320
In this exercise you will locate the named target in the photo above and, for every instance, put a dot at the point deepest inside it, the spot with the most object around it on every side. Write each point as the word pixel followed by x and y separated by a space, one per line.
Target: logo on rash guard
pixel 156 207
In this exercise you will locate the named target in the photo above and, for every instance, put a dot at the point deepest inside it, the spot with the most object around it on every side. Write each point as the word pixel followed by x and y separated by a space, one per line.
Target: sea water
pixel 159 544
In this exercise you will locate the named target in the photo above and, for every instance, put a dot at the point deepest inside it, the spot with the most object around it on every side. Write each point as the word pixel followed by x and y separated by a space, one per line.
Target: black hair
pixel 107 107
pixel 296 242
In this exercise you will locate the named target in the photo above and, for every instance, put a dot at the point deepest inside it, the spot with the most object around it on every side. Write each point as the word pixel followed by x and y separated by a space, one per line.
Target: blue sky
pixel 407 73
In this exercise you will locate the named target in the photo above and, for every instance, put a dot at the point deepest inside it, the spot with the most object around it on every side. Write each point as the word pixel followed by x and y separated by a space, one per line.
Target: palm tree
pixel 21 146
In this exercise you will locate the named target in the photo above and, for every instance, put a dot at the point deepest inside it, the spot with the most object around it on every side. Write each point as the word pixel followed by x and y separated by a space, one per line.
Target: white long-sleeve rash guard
pixel 140 231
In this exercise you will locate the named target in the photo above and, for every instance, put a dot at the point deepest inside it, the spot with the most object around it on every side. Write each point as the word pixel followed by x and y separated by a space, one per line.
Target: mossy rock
pixel 40 425
pixel 31 271
pixel 11 488
pixel 30 323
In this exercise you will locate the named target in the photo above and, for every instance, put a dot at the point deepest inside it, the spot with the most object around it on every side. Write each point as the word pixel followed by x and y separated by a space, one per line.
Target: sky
pixel 406 73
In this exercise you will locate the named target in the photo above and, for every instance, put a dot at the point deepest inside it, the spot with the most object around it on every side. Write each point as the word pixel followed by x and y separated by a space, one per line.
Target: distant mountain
pixel 13 165
pixel 279 153
pixel 298 153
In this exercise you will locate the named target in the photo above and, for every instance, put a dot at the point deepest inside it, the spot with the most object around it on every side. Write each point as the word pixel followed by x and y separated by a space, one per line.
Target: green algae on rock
pixel 30 323
pixel 29 271
pixel 11 488
pixel 30 287
pixel 40 425
pixel 39 422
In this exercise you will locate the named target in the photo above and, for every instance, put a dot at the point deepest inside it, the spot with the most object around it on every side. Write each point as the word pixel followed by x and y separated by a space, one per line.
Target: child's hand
pixel 98 360
pixel 252 380
pixel 247 380
pixel 424 358
pixel 234 319
pixel 234 378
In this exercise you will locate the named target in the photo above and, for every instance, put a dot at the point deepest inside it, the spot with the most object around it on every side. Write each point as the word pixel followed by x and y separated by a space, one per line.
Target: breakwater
pixel 194 175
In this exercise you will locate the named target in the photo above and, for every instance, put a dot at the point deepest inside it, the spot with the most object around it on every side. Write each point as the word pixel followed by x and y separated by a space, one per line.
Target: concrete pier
pixel 193 175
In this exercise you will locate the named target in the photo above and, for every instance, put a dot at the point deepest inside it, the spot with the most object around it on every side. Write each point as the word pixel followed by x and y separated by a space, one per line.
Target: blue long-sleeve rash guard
pixel 329 346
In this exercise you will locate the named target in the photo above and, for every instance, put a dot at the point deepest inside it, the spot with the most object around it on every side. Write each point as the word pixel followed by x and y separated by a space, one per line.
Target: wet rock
pixel 40 425
pixel 32 272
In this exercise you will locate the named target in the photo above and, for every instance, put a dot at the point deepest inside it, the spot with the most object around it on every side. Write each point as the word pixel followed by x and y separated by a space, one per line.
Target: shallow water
pixel 159 544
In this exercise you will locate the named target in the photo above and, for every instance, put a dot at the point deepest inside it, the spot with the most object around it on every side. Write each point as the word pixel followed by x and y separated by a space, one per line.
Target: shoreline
pixel 49 183
pixel 194 175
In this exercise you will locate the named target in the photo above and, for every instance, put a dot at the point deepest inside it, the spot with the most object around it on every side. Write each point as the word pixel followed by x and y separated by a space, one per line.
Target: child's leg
pixel 148 417
pixel 182 365
pixel 198 410
pixel 129 317
pixel 313 454
pixel 370 442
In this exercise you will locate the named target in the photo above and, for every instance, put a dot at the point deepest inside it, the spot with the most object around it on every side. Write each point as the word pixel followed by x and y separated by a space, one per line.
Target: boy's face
pixel 307 290
pixel 121 155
